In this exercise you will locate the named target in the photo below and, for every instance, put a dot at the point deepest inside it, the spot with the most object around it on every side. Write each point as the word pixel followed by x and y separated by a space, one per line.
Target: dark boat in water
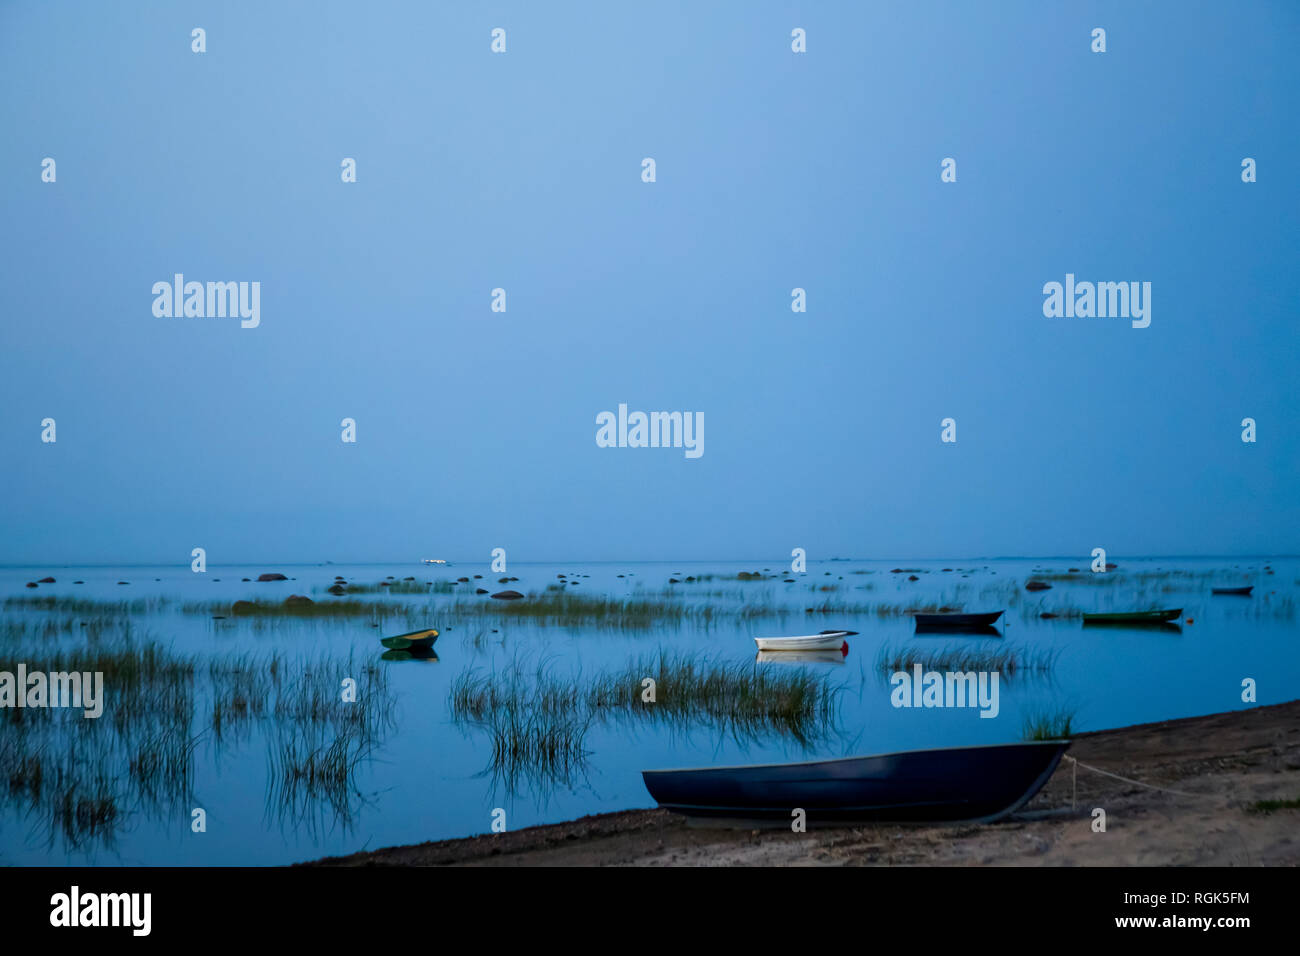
pixel 946 785
pixel 417 640
pixel 979 623
pixel 1244 592
pixel 1129 618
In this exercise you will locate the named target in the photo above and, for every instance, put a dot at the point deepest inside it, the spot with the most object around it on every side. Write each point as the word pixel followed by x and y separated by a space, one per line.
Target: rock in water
pixel 298 600
pixel 507 595
pixel 243 607
pixel 272 576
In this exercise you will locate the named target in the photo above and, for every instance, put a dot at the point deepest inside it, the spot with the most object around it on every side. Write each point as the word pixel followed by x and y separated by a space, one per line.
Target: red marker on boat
pixel 844 649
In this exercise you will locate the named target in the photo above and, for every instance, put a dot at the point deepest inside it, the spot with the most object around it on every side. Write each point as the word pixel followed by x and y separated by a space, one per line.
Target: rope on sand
pixel 1076 764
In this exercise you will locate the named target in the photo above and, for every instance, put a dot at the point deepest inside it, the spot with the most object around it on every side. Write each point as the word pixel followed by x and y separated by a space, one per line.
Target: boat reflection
pixel 410 654
pixel 976 630
pixel 1134 626
pixel 801 657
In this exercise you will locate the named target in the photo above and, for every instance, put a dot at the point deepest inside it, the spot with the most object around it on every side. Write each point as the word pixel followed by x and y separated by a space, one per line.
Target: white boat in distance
pixel 825 641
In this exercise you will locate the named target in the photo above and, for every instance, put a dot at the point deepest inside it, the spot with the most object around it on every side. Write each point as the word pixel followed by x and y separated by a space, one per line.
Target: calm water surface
pixel 427 778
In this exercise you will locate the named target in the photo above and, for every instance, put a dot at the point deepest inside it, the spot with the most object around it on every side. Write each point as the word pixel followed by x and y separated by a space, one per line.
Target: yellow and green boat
pixel 419 640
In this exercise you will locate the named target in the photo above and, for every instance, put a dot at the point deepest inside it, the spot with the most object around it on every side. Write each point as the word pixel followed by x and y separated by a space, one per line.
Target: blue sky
pixel 522 171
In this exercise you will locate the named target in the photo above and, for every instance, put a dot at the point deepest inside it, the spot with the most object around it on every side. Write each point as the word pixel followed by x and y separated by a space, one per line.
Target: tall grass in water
pixel 535 723
pixel 958 657
pixel 67 789
pixel 84 606
pixel 311 775
pixel 332 608
pixel 741 698
pixel 321 740
pixel 161 767
pixel 1049 725
pixel 79 779
pixel 538 721
pixel 16 629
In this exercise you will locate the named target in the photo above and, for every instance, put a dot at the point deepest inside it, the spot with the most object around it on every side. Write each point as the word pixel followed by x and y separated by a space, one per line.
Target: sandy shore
pixel 1221 764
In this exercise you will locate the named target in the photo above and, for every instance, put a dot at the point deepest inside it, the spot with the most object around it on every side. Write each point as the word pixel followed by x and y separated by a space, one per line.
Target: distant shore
pixel 1223 765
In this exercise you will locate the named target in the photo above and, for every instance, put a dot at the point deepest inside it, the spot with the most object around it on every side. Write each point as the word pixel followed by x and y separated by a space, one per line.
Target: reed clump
pixel 538 720
pixel 79 779
pixel 957 657
pixel 741 697
pixel 1049 725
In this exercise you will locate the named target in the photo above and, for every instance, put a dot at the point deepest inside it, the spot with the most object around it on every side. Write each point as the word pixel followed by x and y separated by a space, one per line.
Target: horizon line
pixel 750 560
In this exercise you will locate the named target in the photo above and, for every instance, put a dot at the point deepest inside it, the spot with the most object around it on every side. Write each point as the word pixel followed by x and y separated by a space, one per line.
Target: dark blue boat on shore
pixel 922 786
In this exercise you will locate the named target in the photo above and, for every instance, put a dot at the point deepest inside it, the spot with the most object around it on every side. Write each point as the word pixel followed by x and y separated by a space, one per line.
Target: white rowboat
pixel 829 641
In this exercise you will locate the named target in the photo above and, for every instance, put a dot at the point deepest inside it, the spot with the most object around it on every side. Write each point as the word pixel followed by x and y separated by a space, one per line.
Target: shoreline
pixel 1220 764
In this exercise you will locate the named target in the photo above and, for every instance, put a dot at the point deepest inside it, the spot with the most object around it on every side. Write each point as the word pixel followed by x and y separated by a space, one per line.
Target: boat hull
pixel 919 786
pixel 414 640
pixel 832 641
pixel 956 622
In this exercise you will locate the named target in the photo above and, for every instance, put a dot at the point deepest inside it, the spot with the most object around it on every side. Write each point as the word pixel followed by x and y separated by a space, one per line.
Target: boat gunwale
pixel 407 635
pixel 957 615
pixel 1062 742
pixel 826 635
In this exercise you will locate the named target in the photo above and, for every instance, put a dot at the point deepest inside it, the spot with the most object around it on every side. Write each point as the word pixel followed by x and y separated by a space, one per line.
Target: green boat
pixel 1135 617
pixel 421 640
